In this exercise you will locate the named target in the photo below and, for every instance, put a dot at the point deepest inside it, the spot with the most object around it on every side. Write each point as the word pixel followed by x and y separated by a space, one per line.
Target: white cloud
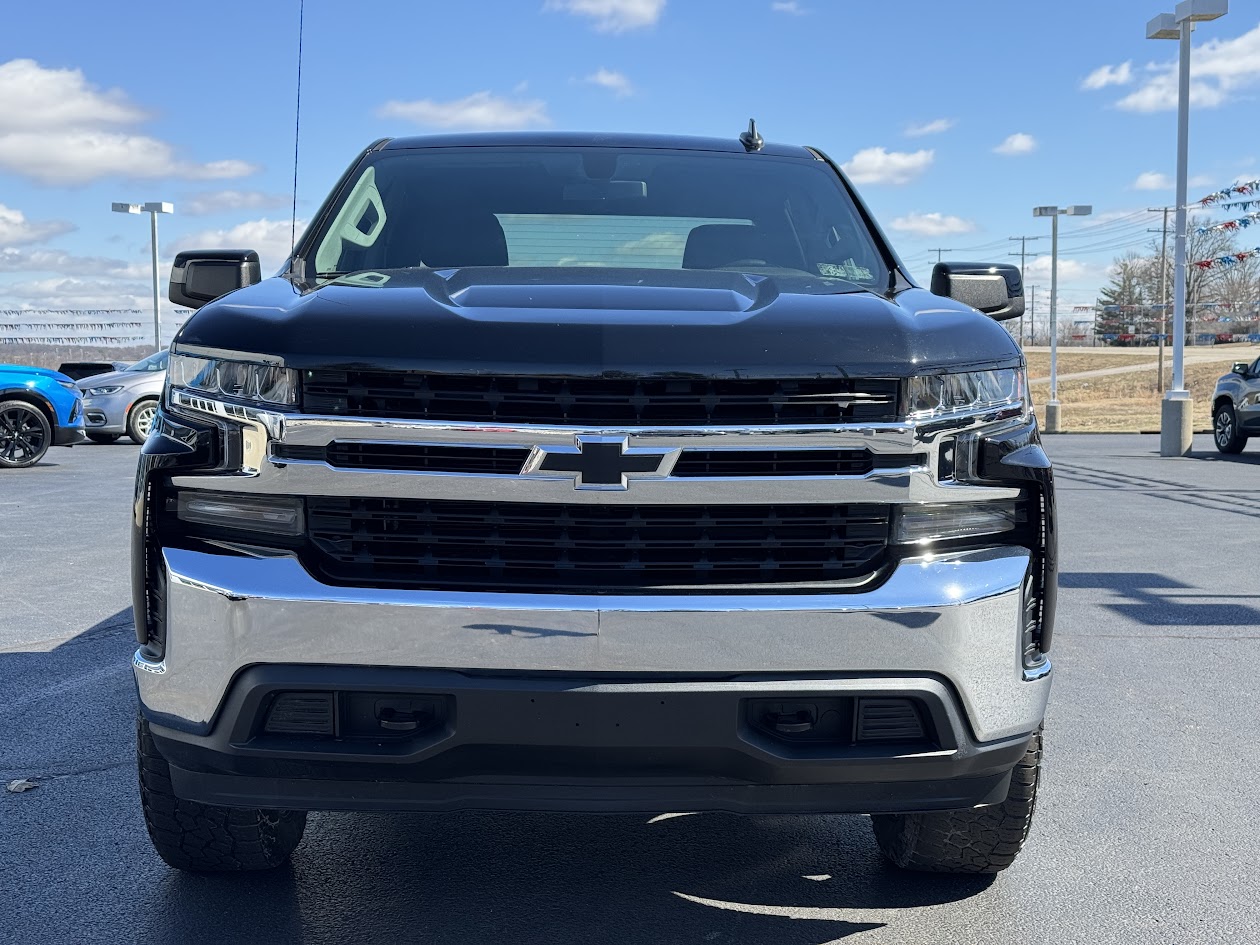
pixel 218 201
pixel 1070 270
pixel 480 110
pixel 271 239
pixel 80 156
pixel 57 128
pixel 1018 143
pixel 33 98
pixel 932 224
pixel 74 293
pixel 1219 69
pixel 929 128
pixel 790 7
pixel 615 82
pixel 1152 180
pixel 1104 76
pixel 881 166
pixel 16 229
pixel 613 16
pixel 55 260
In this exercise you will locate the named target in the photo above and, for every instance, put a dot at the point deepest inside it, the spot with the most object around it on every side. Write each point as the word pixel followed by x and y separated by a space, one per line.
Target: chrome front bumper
pixel 957 616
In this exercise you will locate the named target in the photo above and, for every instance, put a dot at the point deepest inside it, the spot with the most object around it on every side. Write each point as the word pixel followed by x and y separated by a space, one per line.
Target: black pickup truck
pixel 580 472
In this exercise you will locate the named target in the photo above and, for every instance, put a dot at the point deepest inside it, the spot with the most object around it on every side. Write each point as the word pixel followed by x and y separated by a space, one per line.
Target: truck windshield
pixel 444 208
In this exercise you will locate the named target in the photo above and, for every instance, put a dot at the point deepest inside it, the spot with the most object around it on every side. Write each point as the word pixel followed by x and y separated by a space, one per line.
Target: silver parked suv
pixel 124 401
pixel 599 473
pixel 1236 407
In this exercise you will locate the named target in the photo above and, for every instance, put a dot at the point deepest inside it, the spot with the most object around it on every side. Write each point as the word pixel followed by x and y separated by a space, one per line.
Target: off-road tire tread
pixel 980 840
pixel 202 838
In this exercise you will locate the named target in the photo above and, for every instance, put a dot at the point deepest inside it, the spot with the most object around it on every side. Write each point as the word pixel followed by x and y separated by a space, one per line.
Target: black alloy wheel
pixel 1225 430
pixel 25 434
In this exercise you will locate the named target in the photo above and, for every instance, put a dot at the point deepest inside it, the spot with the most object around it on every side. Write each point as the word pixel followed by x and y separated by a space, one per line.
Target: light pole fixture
pixel 1176 431
pixel 1076 210
pixel 152 208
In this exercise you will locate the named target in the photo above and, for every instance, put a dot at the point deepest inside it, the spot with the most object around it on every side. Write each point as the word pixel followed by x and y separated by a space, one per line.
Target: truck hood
pixel 582 322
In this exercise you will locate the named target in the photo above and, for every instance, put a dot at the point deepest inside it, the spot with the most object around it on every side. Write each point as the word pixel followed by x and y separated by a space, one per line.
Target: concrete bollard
pixel 1052 417
pixel 1176 428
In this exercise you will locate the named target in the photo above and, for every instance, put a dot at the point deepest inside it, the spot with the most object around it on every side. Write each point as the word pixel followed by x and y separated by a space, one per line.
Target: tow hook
pixel 790 719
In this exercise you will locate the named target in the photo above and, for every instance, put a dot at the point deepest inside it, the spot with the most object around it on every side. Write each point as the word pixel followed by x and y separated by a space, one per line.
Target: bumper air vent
pixel 888 720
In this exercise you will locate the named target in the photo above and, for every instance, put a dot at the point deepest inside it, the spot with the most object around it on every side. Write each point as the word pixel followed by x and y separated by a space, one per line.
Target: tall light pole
pixel 1176 431
pixel 1077 210
pixel 152 208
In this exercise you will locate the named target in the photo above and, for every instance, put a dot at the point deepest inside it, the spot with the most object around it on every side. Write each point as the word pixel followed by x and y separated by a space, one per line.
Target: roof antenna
pixel 750 139
pixel 297 127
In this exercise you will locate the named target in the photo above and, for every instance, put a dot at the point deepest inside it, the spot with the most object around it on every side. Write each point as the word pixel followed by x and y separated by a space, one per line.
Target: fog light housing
pixel 932 522
pixel 273 514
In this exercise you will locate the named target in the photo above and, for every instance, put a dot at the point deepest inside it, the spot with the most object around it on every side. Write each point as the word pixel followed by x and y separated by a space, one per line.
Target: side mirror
pixel 202 275
pixel 996 290
pixel 1241 367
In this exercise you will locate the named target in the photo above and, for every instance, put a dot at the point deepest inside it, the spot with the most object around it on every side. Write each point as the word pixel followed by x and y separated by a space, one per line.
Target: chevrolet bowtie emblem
pixel 600 462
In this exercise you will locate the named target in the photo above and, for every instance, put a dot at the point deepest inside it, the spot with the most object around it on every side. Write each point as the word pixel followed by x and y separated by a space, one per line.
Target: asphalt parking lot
pixel 1146 827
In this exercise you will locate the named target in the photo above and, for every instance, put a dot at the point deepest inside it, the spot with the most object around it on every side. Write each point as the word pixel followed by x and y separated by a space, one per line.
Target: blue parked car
pixel 39 408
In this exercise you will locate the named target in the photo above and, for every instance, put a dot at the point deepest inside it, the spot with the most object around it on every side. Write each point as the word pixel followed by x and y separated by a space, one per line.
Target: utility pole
pixel 1032 314
pixel 1163 289
pixel 1023 254
pixel 939 252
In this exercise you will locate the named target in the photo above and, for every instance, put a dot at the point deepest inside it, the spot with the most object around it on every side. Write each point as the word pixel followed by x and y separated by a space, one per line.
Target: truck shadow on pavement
pixel 90 874
pixel 1156 600
pixel 478 877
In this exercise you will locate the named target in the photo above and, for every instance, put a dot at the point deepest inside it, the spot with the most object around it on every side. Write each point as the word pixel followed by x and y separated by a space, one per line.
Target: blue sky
pixel 954 119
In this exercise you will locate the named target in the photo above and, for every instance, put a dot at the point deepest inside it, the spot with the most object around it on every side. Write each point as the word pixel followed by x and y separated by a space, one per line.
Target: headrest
pixel 719 244
pixel 466 239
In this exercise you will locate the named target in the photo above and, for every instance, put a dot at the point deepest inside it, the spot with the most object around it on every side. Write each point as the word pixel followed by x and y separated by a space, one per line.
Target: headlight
pixel 927 523
pixel 263 384
pixel 947 395
pixel 101 391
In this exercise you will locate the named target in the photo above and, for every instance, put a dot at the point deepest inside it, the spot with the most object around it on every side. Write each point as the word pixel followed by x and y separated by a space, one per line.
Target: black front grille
pixel 791 462
pixel 551 548
pixel 410 457
pixel 597 401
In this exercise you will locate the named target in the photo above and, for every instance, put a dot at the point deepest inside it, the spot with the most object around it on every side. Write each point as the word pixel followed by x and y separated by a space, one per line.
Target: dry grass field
pixel 1129 402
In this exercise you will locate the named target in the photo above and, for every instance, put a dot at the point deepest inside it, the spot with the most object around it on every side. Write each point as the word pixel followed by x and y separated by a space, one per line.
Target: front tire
pixel 25 434
pixel 1225 432
pixel 204 838
pixel 980 840
pixel 140 420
